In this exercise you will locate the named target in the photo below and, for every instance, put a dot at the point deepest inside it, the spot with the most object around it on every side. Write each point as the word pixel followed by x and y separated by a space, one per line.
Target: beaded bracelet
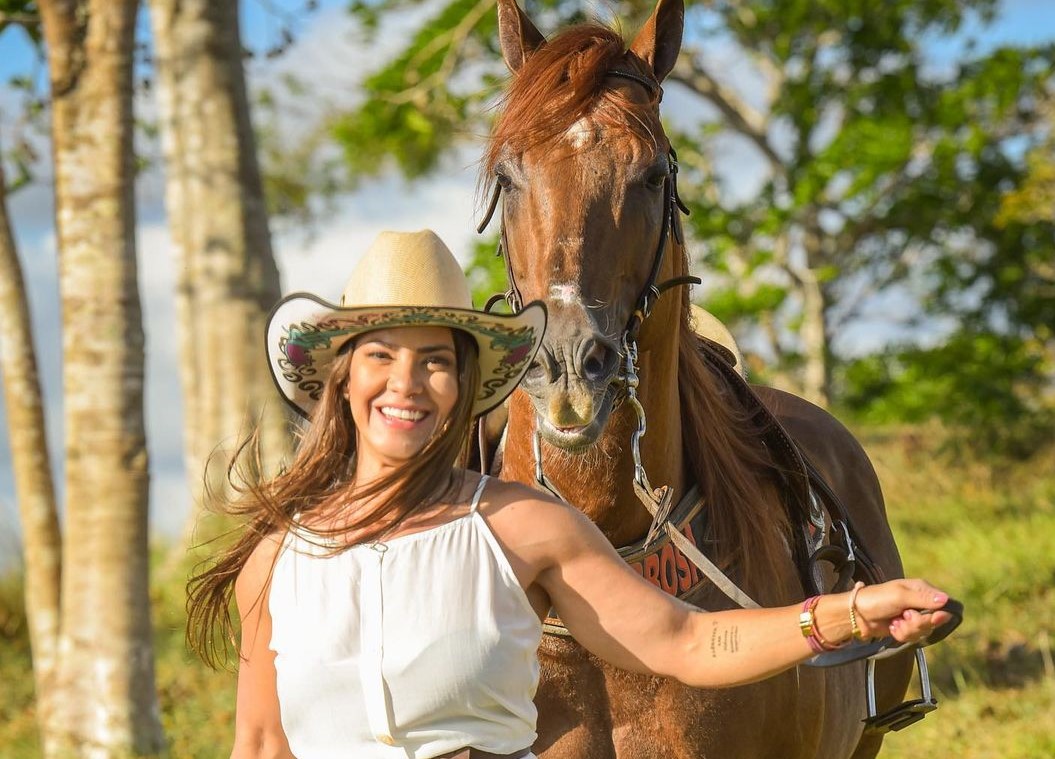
pixel 855 630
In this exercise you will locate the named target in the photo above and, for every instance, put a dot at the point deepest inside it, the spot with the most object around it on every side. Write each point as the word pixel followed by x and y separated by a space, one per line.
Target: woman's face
pixel 402 385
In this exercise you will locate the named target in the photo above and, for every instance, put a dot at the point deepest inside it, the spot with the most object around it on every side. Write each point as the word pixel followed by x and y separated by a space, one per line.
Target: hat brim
pixel 305 333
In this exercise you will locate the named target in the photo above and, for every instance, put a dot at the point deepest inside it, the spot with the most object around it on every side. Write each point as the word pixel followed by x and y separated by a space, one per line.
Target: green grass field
pixel 986 534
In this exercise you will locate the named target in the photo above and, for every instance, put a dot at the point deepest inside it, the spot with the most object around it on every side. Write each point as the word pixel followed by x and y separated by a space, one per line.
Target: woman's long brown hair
pixel 320 475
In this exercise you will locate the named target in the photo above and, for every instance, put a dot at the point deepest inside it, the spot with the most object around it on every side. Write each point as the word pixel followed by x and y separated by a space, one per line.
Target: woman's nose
pixel 405 377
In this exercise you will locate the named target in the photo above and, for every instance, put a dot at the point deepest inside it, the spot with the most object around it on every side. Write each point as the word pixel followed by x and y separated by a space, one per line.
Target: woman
pixel 391 601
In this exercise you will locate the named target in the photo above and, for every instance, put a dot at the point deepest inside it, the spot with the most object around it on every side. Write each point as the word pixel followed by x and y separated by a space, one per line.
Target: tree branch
pixel 25 19
pixel 452 39
pixel 741 116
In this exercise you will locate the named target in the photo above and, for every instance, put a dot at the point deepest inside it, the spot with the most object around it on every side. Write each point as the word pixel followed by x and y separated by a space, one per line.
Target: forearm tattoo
pixel 724 639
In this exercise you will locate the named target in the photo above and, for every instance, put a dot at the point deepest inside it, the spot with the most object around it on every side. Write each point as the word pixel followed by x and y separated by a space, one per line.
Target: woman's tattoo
pixel 725 639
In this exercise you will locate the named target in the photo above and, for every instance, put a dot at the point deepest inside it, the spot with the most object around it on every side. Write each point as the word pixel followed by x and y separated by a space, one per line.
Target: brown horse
pixel 589 224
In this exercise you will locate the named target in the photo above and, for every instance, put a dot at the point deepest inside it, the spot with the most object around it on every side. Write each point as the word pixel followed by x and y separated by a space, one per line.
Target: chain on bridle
pixel 627 380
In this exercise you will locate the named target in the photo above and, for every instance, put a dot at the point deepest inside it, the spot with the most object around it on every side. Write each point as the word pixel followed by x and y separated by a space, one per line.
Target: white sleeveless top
pixel 410 648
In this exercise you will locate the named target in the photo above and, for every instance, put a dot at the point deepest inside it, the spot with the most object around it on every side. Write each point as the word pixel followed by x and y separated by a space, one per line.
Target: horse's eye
pixel 656 179
pixel 503 180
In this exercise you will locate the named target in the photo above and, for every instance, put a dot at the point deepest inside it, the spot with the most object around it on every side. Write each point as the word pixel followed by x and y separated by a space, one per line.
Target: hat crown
pixel 407 269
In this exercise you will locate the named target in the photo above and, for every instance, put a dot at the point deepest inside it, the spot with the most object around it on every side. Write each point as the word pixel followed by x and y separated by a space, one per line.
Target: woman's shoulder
pixel 499 492
pixel 523 508
pixel 255 574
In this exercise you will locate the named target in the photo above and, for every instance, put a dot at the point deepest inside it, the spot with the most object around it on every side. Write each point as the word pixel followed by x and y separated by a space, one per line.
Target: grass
pixel 985 533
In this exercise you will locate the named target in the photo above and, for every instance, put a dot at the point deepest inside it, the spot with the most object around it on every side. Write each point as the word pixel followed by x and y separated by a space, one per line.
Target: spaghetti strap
pixel 476 496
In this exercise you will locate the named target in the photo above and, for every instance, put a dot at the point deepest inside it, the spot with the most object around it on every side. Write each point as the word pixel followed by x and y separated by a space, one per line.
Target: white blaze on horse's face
pixel 566 293
pixel 581 134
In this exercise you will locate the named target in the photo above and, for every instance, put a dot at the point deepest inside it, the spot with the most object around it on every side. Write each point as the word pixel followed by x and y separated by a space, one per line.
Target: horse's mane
pixel 559 83
pixel 730 464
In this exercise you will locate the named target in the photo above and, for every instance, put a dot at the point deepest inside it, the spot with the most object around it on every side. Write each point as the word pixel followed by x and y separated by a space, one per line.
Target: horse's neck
pixel 599 481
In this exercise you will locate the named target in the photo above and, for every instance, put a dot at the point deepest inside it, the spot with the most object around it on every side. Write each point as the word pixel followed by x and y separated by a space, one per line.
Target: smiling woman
pixel 391 601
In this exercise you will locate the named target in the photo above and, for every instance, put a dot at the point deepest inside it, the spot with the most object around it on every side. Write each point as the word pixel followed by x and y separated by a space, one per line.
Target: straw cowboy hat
pixel 705 324
pixel 403 280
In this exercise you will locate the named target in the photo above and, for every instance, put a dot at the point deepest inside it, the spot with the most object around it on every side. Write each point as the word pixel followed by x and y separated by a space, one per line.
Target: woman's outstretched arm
pixel 622 618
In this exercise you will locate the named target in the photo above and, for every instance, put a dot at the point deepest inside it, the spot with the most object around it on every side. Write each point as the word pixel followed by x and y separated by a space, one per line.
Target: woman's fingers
pixel 896 607
pixel 912 626
pixel 926 596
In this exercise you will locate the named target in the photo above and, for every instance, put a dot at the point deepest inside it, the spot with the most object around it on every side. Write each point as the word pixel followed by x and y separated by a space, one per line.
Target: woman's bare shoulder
pixel 515 505
pixel 255 574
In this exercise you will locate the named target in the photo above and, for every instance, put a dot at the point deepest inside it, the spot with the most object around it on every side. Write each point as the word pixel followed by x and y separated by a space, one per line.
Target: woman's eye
pixel 437 362
pixel 378 355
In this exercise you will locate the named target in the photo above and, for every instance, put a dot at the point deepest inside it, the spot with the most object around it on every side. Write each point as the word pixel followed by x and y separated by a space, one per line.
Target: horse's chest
pixel 589 710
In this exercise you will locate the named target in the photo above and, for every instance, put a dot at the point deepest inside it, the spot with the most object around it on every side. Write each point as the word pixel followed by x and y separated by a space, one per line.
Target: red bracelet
pixel 808 626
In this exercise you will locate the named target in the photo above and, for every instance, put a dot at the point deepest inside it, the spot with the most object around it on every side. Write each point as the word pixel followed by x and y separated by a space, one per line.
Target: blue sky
pixel 326 55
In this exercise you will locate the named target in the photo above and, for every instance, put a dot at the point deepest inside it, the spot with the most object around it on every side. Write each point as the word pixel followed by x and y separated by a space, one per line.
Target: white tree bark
pixel 34 488
pixel 105 702
pixel 214 197
pixel 814 331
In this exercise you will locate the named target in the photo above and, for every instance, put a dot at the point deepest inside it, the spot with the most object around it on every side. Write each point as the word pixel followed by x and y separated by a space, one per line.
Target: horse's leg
pixel 847 469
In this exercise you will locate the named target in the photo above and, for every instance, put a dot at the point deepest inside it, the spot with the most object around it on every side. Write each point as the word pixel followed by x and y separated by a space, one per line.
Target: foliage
pixel 1034 200
pixel 23 13
pixel 487 273
pixel 881 169
pixel 990 389
pixel 301 177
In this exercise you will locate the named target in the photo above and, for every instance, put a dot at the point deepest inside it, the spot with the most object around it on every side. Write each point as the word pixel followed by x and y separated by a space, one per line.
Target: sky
pixel 327 54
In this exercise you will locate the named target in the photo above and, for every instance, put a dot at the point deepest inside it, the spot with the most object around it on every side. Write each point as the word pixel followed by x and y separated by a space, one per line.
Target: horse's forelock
pixel 560 83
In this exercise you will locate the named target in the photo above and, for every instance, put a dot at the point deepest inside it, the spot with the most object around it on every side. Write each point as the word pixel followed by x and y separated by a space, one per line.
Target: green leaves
pixel 413 111
pixel 987 386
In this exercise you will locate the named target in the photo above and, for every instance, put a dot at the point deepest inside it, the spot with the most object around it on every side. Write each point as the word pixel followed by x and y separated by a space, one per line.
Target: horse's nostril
pixel 541 370
pixel 597 360
pixel 535 371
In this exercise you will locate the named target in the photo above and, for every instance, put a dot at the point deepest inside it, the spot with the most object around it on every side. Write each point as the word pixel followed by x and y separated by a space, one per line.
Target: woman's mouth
pixel 402 414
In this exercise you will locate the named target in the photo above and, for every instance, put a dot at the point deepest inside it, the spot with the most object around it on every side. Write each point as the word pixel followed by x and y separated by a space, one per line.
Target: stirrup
pixel 904 714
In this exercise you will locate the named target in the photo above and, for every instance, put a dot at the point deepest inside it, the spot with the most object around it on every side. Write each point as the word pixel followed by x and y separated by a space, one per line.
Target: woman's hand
pixel 906 609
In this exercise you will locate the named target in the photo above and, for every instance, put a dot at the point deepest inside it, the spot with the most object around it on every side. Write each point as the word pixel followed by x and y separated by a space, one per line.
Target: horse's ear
pixel 517 35
pixel 659 41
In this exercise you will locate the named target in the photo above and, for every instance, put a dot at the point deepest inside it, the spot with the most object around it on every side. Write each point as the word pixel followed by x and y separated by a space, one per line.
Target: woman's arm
pixel 625 620
pixel 258 729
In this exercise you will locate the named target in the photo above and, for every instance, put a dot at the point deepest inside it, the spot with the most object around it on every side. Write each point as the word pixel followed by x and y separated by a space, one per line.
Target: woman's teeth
pixel 405 414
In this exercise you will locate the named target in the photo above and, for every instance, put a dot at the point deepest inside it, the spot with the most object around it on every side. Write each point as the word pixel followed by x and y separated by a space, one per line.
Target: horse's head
pixel 582 160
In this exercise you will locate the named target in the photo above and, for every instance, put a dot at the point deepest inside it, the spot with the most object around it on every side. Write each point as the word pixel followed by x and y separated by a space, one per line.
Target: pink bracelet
pixel 808 627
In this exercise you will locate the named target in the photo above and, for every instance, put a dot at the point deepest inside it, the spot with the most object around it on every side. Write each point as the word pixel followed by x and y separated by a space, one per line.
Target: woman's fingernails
pixel 940 598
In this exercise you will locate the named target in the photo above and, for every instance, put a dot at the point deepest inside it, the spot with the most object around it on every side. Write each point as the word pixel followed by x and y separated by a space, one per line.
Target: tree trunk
pixel 814 331
pixel 34 488
pixel 105 700
pixel 218 219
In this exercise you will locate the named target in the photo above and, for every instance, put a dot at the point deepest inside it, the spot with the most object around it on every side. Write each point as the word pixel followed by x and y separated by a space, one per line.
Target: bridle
pixel 658 501
pixel 671 226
